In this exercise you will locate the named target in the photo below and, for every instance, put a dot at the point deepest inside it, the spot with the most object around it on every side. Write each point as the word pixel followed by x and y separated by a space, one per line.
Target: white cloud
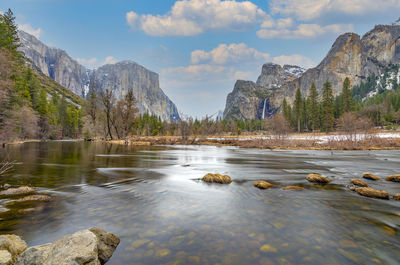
pixel 198 72
pixel 110 60
pixel 89 63
pixel 303 31
pixel 28 29
pixel 242 75
pixel 310 9
pixel 193 17
pixel 295 59
pixel 229 54
pixel 92 63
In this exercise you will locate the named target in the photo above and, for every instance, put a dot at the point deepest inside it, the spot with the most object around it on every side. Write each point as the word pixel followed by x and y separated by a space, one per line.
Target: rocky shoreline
pixel 93 246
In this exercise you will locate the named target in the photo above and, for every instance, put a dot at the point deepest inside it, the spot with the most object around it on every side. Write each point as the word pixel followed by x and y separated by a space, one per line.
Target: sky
pixel 199 47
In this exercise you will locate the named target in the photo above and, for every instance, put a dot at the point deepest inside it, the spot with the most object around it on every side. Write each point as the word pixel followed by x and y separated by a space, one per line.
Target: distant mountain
pixel 119 77
pixel 350 56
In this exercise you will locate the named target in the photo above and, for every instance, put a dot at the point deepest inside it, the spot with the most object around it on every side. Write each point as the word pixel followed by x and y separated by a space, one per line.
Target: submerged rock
pixel 371 176
pixel 262 184
pixel 394 178
pixel 396 197
pixel 5 257
pixel 90 247
pixel 12 244
pixel 31 198
pixel 292 188
pixel 17 191
pixel 217 178
pixel 352 188
pixel 370 192
pixel 359 182
pixel 317 178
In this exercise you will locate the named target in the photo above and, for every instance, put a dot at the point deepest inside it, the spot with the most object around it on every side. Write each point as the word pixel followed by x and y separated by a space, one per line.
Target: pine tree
pixel 297 108
pixel 285 110
pixel 314 109
pixel 347 96
pixel 9 32
pixel 327 107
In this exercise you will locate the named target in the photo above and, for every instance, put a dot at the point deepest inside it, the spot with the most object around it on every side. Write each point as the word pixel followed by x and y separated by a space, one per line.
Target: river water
pixel 152 199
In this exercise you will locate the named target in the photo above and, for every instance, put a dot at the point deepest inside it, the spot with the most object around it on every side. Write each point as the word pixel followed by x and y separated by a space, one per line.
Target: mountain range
pixel 119 77
pixel 350 56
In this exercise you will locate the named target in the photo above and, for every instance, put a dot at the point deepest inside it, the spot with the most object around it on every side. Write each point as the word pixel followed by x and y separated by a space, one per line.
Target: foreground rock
pixel 318 178
pixel 394 178
pixel 43 198
pixel 371 176
pixel 292 188
pixel 359 182
pixel 262 184
pixel 90 247
pixel 370 192
pixel 396 197
pixel 217 178
pixel 11 246
pixel 24 190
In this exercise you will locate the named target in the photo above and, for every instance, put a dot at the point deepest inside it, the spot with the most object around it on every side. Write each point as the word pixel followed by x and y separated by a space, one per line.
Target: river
pixel 151 197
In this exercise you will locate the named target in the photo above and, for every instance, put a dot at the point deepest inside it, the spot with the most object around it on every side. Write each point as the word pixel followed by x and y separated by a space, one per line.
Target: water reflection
pixel 152 199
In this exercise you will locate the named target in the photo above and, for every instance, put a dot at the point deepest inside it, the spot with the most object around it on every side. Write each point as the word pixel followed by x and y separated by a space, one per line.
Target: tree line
pixel 28 110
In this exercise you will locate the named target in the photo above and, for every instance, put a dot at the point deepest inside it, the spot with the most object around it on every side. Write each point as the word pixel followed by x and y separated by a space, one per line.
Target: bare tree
pixel 351 124
pixel 5 166
pixel 278 126
pixel 108 101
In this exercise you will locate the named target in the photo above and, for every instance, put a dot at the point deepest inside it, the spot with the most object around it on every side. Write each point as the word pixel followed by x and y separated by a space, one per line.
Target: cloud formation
pixel 92 63
pixel 29 29
pixel 303 31
pixel 229 54
pixel 193 17
pixel 307 10
pixel 294 59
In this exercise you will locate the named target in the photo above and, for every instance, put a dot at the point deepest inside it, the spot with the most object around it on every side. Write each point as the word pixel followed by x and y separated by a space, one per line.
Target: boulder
pixel 292 188
pixel 31 198
pixel 352 188
pixel 371 176
pixel 359 182
pixel 17 191
pixel 5 257
pixel 262 184
pixel 217 178
pixel 13 244
pixel 396 197
pixel 90 247
pixel 370 192
pixel 317 178
pixel 394 178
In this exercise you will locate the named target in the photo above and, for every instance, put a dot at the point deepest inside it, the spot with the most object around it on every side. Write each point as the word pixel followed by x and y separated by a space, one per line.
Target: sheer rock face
pixel 350 56
pixel 243 102
pixel 56 64
pixel 119 77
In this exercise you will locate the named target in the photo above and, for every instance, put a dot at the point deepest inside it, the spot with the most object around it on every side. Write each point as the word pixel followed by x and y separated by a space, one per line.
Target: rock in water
pixel 84 247
pixel 371 176
pixel 394 178
pixel 318 178
pixel 262 184
pixel 17 191
pixel 107 243
pixel 5 257
pixel 292 188
pixel 12 244
pixel 217 178
pixel 359 182
pixel 370 192
pixel 396 197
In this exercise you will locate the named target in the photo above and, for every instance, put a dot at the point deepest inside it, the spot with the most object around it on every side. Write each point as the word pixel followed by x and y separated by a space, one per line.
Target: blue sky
pixel 199 47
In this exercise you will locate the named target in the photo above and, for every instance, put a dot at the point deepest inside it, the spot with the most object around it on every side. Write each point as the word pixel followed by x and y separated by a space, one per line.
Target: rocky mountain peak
pixel 118 77
pixel 275 76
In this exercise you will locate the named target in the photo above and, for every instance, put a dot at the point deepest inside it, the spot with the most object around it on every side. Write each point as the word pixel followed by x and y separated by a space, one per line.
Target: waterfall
pixel 263 112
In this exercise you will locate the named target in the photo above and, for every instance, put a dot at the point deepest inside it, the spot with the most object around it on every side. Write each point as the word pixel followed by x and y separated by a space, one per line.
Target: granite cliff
pixel 350 56
pixel 119 77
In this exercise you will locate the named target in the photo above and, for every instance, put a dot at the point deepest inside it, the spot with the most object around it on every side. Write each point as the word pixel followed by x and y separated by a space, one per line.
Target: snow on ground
pixel 320 138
